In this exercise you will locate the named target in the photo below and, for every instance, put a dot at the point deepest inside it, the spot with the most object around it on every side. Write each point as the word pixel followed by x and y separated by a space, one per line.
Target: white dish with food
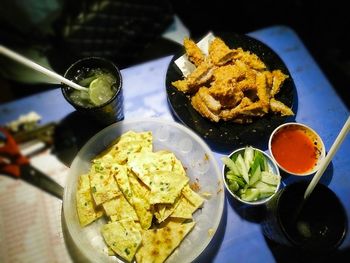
pixel 200 166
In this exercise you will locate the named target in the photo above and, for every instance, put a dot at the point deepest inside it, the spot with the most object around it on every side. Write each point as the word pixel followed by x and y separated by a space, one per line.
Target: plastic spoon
pixel 341 136
pixel 29 63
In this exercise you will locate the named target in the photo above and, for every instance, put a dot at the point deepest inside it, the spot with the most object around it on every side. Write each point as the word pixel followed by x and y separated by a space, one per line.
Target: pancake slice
pixel 158 244
pixel 86 209
pixel 123 237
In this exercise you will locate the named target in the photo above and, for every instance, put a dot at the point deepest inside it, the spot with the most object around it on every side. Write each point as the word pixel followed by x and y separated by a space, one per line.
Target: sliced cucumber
pixel 251 194
pixel 264 188
pixel 256 176
pixel 242 168
pixel 248 156
pixel 230 164
pixel 270 178
pixel 249 175
pixel 233 185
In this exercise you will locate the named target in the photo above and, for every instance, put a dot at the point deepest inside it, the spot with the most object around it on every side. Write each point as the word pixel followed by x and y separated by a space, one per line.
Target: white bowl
pixel 194 154
pixel 315 139
pixel 273 167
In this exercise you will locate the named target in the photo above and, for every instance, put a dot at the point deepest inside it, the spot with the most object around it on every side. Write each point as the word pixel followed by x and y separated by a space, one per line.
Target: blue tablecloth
pixel 240 239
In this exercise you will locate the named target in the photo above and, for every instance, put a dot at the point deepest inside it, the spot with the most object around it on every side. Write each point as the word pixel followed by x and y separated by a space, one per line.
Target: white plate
pixel 194 154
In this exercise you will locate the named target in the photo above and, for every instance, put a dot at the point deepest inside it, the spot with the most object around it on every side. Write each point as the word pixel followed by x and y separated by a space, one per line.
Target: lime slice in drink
pixel 100 89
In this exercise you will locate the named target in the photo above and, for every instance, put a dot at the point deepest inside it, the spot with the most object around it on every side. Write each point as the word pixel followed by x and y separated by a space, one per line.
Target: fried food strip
pixel 197 78
pixel 194 54
pixel 230 114
pixel 262 91
pixel 277 80
pixel 280 107
pixel 251 59
pixel 254 109
pixel 200 106
pixel 212 104
pixel 181 85
pixel 201 74
pixel 219 52
pixel 229 72
pixel 226 93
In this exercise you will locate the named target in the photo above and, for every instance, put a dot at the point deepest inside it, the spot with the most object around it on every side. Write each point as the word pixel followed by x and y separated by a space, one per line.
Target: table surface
pixel 239 237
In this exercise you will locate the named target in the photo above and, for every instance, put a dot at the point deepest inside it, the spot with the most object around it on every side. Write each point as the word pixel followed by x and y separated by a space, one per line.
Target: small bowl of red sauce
pixel 296 148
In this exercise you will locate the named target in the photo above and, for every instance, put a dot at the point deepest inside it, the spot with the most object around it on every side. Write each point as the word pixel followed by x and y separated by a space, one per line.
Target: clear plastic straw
pixel 31 64
pixel 341 136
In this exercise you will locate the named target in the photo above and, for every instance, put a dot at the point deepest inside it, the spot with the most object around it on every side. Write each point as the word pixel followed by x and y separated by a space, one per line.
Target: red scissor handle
pixel 10 157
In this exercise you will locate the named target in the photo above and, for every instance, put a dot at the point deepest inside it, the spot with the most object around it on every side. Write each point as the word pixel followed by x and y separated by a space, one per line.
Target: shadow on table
pixel 71 134
pixel 209 253
pixel 251 213
pixel 284 254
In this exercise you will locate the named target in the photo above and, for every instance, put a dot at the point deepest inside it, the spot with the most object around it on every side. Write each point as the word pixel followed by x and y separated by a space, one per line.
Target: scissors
pixel 16 165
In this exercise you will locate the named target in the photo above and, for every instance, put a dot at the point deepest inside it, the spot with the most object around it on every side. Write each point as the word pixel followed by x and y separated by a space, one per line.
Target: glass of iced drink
pixel 104 99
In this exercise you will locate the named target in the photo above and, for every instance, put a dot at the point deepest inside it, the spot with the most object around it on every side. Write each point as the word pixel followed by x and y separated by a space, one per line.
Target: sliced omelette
pixel 158 244
pixel 87 212
pixel 163 211
pixel 103 185
pixel 141 203
pixel 120 208
pixel 144 164
pixel 123 237
pixel 189 202
pixel 166 186
pixel 121 175
pixel 127 143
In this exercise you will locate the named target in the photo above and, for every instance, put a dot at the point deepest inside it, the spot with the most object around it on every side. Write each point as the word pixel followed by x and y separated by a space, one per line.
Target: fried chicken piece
pixel 277 80
pixel 254 109
pixel 251 59
pixel 212 104
pixel 194 54
pixel 201 74
pixel 269 78
pixel 197 78
pixel 228 73
pixel 280 107
pixel 200 106
pixel 248 82
pixel 226 93
pixel 219 52
pixel 230 114
pixel 181 85
pixel 262 91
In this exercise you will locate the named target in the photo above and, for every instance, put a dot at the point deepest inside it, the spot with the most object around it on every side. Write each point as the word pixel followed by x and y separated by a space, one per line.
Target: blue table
pixel 319 106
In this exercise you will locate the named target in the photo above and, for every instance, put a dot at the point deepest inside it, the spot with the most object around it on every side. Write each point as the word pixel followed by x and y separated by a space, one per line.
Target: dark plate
pixel 229 133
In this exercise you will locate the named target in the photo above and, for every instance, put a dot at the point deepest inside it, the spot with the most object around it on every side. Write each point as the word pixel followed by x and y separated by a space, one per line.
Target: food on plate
pixel 86 208
pixel 158 244
pixel 145 196
pixel 123 237
pixel 231 84
pixel 249 175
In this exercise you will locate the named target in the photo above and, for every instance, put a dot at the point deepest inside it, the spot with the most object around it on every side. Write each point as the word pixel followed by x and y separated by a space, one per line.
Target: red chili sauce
pixel 294 150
